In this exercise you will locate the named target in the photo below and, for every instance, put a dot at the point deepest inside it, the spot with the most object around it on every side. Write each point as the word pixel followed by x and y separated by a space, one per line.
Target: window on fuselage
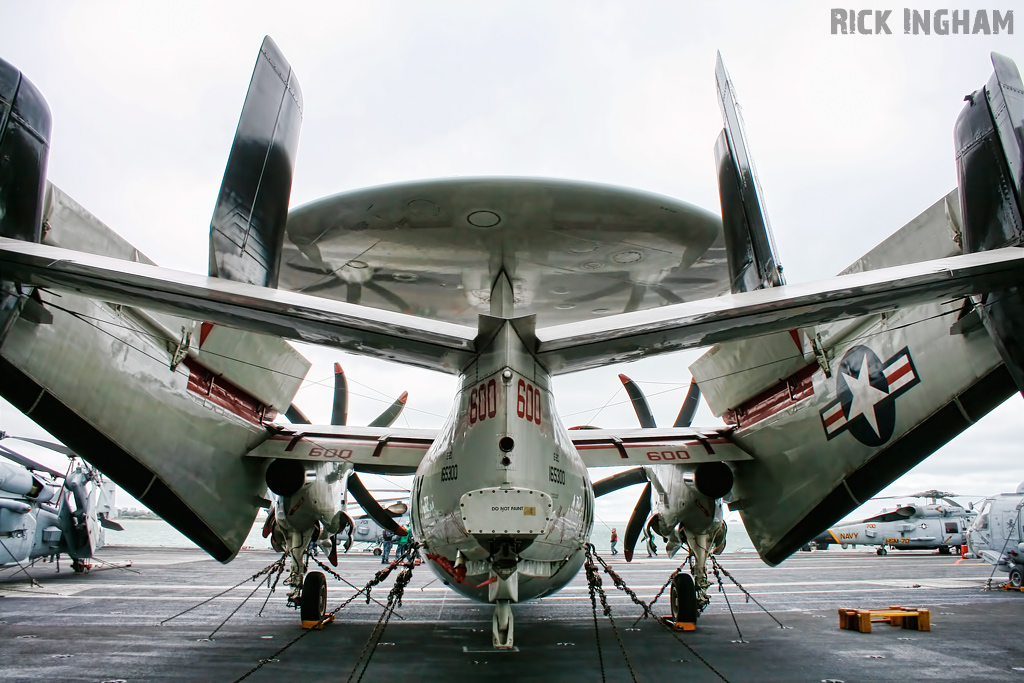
pixel 982 521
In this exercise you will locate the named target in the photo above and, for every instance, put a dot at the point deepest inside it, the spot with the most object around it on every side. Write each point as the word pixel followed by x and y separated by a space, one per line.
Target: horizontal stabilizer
pixel 371 449
pixel 661 446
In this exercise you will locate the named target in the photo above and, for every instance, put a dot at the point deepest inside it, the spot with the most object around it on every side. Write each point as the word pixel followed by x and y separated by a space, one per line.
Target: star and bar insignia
pixel 867 390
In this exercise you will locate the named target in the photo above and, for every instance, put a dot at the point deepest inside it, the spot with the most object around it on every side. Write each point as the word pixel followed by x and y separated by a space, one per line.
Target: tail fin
pixel 989 137
pixel 131 391
pixel 247 231
pixel 862 401
pixel 24 149
pixel 753 263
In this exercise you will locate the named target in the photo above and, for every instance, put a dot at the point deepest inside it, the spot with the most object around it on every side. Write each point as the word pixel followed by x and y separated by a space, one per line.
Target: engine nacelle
pixel 712 479
pixel 21 482
pixel 285 477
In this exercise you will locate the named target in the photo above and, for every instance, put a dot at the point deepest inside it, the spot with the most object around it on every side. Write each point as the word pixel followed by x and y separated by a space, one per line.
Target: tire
pixel 314 597
pixel 1017 577
pixel 683 597
pixel 882 551
pixel 943 550
pixel 378 552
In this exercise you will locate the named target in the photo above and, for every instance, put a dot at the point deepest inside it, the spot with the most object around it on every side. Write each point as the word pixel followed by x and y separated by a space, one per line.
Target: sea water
pixel 158 533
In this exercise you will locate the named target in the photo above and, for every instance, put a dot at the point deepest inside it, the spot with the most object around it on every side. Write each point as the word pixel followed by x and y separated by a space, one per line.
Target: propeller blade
pixel 353 292
pixel 636 475
pixel 689 407
pixel 333 555
pixel 398 302
pixel 636 297
pixel 636 397
pixel 636 523
pixel 56 447
pixel 295 416
pixel 339 415
pixel 388 417
pixel 372 507
pixel 268 526
pixel 29 463
pixel 110 524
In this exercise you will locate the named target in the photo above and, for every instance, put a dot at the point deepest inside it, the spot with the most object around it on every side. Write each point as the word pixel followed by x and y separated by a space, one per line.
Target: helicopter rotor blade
pixel 55 447
pixel 29 463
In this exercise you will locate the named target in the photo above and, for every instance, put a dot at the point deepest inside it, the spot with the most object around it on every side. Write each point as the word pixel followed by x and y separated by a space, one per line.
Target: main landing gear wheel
pixel 683 597
pixel 1017 577
pixel 314 597
pixel 882 551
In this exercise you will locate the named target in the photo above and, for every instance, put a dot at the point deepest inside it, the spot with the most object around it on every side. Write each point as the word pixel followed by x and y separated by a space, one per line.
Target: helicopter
pixel 41 518
pixel 997 534
pixel 936 525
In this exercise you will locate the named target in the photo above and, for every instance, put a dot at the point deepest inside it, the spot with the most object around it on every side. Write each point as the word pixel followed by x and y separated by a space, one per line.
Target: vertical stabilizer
pixel 247 230
pixel 24 148
pixel 989 137
pixel 753 261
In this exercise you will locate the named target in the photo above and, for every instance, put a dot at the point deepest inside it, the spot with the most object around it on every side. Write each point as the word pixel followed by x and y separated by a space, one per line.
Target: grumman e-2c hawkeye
pixel 169 381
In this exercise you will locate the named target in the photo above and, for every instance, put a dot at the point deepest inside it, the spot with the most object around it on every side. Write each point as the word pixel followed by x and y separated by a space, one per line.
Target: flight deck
pixel 112 624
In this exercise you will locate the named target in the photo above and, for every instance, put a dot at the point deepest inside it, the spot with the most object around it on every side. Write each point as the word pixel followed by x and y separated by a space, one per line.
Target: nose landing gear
pixel 502 625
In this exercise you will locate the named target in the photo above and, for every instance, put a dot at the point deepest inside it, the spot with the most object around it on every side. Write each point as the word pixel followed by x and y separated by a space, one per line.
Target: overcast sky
pixel 852 137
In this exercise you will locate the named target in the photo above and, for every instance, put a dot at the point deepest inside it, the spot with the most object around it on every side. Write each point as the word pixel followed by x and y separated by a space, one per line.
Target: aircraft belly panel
pixel 574 250
pixel 135 419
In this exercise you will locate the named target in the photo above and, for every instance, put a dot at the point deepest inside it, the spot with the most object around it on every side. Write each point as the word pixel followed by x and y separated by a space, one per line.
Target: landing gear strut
pixel 502 625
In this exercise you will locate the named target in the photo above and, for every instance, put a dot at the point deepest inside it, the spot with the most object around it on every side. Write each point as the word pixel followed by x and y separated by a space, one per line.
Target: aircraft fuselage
pixel 502 492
